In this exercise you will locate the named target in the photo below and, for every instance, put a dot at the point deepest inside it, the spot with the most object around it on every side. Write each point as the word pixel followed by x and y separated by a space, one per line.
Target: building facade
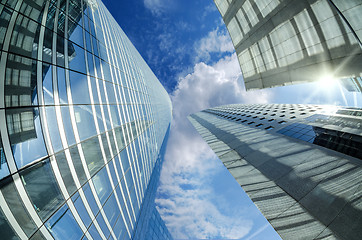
pixel 83 121
pixel 282 42
pixel 300 164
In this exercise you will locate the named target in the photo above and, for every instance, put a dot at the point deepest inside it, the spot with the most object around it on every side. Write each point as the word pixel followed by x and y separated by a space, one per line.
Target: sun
pixel 327 82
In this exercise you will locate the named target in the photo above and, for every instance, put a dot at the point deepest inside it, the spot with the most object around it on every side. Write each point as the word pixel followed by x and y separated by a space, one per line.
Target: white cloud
pixel 186 199
pixel 217 41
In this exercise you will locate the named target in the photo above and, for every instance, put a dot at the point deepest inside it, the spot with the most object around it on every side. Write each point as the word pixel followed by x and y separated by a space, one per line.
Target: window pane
pixel 4 170
pixel 5 229
pixel 63 226
pixel 102 185
pixel 42 188
pixel 65 172
pixel 17 208
pixel 78 203
pixel 85 121
pixel 25 134
pixel 93 155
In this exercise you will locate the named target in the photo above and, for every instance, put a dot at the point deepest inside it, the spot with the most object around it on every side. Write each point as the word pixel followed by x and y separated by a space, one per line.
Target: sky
pixel 187 46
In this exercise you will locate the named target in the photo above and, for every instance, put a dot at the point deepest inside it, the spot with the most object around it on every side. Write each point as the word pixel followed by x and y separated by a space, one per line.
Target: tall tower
pixel 300 164
pixel 282 42
pixel 83 124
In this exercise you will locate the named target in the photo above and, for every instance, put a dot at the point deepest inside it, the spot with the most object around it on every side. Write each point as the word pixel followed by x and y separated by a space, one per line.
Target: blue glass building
pixel 83 121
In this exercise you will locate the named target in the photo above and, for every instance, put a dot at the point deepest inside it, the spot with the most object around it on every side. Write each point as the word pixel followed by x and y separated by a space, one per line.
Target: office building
pixel 300 164
pixel 83 124
pixel 282 42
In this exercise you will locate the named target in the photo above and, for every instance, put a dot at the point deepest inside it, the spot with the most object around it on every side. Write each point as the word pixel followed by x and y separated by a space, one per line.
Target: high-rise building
pixel 83 124
pixel 300 164
pixel 282 42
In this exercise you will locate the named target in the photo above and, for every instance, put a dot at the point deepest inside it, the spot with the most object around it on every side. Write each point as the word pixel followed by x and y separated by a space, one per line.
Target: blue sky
pixel 187 46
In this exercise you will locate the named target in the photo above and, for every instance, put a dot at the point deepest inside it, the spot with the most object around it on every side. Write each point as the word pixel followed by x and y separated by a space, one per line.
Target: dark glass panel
pixel 16 206
pixel 65 172
pixel 42 188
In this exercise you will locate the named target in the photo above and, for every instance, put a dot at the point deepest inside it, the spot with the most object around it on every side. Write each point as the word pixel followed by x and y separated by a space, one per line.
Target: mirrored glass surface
pixel 16 206
pixel 62 225
pixel 42 188
pixel 25 135
pixel 4 169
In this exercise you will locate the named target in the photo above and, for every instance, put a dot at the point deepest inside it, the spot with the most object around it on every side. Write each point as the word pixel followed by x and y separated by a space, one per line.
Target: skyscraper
pixel 300 164
pixel 282 42
pixel 83 124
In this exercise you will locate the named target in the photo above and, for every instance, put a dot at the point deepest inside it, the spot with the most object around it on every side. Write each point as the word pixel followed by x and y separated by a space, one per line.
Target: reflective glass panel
pixel 25 134
pixel 42 188
pixel 63 226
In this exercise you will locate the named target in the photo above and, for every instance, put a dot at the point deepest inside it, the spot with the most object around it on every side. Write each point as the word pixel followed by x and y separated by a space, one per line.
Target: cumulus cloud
pixel 217 41
pixel 186 200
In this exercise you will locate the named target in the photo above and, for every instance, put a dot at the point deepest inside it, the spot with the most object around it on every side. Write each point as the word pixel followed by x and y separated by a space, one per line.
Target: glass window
pixel 38 236
pixel 90 198
pixel 25 135
pixel 87 39
pixel 113 173
pixel 78 164
pixel 4 170
pixel 119 228
pixel 62 225
pixel 94 90
pixel 65 172
pixel 124 160
pixel 79 87
pixel 17 208
pixel 99 118
pixel 103 225
pixel 47 46
pixel 53 129
pixel 20 81
pixel 24 36
pixel 106 147
pixel 91 68
pixel 222 5
pixel 42 188
pixel 114 115
pixel 112 144
pixel 4 19
pixel 93 155
pixel 68 125
pixel 76 34
pixel 85 121
pixel 62 88
pixel 6 231
pixel 102 185
pixel 48 84
pixel 93 232
pixel 82 211
pixel 111 210
pixel 76 58
pixel 110 93
pixel 249 10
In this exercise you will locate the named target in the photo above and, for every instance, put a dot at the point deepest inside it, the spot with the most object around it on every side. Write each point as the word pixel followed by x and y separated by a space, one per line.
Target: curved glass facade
pixel 282 42
pixel 82 121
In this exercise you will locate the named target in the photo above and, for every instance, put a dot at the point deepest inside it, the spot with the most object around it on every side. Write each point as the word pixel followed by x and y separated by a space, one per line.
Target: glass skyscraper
pixel 282 42
pixel 83 124
pixel 300 164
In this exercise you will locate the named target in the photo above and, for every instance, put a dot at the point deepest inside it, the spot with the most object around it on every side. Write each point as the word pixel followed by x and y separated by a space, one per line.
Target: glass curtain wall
pixel 82 120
